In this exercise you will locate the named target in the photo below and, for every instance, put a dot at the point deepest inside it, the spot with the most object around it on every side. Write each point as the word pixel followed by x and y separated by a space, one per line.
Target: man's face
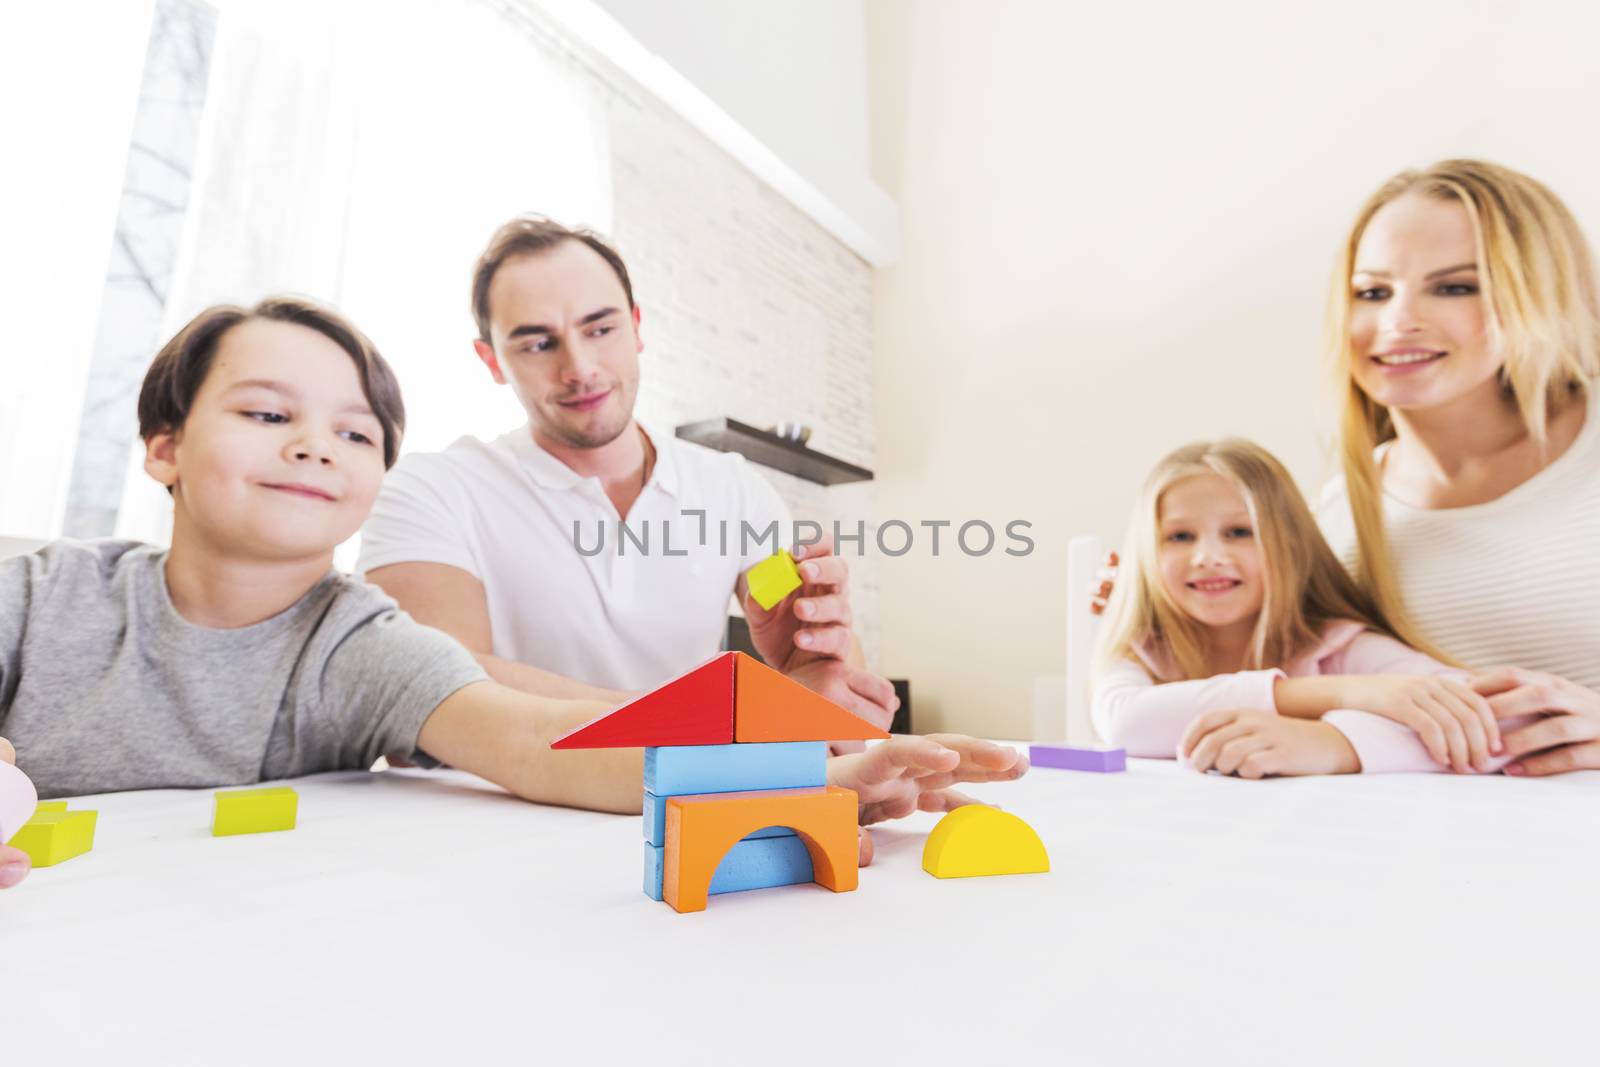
pixel 281 456
pixel 562 336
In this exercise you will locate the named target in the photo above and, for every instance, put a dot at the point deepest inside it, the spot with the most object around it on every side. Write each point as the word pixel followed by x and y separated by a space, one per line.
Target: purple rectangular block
pixel 1104 760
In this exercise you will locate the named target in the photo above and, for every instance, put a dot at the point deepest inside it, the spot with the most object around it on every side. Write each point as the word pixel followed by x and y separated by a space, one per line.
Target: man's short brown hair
pixel 180 368
pixel 531 235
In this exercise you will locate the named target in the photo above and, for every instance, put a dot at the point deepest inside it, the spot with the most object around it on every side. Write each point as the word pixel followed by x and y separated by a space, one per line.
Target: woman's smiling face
pixel 1418 322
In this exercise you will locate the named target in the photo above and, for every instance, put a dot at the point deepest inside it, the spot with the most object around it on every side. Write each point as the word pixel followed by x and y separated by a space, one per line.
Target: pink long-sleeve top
pixel 1148 718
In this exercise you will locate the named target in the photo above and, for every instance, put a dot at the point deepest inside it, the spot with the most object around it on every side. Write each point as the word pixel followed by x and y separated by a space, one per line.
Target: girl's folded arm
pixel 1148 719
pixel 1383 745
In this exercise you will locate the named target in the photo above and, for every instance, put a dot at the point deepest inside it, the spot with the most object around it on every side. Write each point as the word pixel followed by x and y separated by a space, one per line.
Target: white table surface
pixel 1195 919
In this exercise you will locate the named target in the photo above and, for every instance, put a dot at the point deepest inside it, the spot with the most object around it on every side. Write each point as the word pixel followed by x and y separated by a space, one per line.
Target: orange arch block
pixel 701 828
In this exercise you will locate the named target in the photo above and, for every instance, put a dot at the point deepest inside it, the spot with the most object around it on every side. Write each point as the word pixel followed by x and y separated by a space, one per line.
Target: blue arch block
pixel 754 863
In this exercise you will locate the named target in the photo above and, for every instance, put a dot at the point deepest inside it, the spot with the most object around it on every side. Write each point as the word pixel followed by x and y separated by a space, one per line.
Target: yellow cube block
pixel 773 579
pixel 253 811
pixel 52 837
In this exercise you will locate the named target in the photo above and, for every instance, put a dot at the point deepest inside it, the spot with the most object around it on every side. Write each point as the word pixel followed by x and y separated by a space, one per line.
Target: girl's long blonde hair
pixel 1305 584
pixel 1537 277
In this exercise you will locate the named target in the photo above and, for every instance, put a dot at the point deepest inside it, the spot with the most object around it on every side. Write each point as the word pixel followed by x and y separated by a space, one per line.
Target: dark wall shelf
pixel 770 450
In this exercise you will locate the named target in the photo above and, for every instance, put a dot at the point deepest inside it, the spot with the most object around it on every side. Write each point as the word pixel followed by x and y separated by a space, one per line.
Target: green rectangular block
pixel 253 811
pixel 52 837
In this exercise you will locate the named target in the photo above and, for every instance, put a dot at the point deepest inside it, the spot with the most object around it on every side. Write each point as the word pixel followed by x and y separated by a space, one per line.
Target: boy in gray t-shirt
pixel 239 655
pixel 105 686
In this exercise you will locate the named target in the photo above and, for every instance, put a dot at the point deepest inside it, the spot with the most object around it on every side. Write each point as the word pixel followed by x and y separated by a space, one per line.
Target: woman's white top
pixel 1515 581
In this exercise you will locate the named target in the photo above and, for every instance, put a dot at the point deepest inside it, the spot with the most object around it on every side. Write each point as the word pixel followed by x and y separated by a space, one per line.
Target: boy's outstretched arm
pixel 504 735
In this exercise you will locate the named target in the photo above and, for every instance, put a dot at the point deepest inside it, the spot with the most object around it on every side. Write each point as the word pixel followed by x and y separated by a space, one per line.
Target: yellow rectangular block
pixel 50 805
pixel 253 811
pixel 52 837
pixel 773 579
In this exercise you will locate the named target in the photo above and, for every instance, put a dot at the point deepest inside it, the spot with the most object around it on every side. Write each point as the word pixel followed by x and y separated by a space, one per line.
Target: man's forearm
pixel 546 683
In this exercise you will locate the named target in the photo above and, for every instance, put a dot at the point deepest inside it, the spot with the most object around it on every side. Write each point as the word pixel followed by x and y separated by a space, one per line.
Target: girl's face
pixel 1418 325
pixel 1210 560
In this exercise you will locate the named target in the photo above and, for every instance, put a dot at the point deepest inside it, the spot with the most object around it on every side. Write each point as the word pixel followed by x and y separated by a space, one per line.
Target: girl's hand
pixel 1565 738
pixel 1455 724
pixel 1259 744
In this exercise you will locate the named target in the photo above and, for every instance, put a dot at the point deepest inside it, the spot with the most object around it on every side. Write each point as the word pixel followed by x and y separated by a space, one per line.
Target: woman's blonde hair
pixel 1537 277
pixel 1305 585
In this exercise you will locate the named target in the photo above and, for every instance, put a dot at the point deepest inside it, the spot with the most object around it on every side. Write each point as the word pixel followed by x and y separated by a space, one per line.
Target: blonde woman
pixel 1465 328
pixel 1236 640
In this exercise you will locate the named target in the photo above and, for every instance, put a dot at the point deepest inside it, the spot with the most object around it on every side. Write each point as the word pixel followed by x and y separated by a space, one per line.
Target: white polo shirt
pixel 598 609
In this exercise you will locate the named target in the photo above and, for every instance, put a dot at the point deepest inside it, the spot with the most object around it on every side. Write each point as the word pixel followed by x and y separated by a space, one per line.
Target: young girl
pixel 1238 642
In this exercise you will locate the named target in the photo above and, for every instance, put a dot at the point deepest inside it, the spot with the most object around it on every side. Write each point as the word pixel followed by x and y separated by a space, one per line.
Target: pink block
pixel 1103 760
pixel 17 800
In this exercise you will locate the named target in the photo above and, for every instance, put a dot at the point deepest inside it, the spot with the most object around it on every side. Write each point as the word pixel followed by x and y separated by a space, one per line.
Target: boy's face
pixel 281 456
pixel 566 342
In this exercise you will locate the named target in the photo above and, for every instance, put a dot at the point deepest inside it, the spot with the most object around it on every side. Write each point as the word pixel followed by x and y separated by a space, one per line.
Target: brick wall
pixel 751 309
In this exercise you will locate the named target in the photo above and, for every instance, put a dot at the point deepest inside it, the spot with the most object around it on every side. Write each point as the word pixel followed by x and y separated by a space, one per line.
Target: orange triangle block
pixel 769 707
pixel 693 709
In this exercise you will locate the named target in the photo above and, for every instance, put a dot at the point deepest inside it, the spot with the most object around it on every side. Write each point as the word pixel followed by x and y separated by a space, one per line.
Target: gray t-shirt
pixel 105 687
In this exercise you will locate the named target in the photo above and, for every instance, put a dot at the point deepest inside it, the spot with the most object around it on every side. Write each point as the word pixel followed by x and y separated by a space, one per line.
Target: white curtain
pixel 361 153
pixel 69 84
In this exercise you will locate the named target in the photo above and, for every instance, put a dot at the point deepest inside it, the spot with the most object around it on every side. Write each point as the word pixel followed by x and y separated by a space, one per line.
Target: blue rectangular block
pixel 655 822
pixel 681 769
pixel 754 863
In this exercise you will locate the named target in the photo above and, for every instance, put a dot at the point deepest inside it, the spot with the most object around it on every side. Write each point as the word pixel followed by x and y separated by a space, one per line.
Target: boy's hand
pixel 1256 744
pixel 14 863
pixel 1455 724
pixel 894 778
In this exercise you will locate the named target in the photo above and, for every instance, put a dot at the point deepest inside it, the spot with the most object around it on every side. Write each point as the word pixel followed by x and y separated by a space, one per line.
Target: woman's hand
pixel 1101 595
pixel 1565 738
pixel 1454 722
pixel 1259 744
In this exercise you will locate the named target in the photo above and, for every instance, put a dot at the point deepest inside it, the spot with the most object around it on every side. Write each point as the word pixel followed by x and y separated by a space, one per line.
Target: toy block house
pixel 735 781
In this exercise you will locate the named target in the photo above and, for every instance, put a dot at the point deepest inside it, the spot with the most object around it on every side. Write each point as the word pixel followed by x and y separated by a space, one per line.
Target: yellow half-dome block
pixel 977 840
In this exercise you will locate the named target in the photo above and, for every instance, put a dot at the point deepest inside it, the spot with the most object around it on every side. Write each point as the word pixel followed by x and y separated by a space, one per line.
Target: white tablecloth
pixel 1187 918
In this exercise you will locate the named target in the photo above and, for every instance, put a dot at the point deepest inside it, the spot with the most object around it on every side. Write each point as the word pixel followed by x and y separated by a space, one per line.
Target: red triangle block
pixel 694 709
pixel 771 707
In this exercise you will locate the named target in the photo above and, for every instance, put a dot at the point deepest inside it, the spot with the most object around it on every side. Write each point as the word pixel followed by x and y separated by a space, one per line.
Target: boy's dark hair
pixel 180 368
pixel 529 235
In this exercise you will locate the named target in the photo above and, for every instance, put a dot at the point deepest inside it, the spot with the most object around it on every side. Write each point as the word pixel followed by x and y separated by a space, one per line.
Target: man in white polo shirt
pixel 513 547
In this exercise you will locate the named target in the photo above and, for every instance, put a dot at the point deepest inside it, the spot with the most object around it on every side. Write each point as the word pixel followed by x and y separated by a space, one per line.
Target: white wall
pixel 790 72
pixel 1117 226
